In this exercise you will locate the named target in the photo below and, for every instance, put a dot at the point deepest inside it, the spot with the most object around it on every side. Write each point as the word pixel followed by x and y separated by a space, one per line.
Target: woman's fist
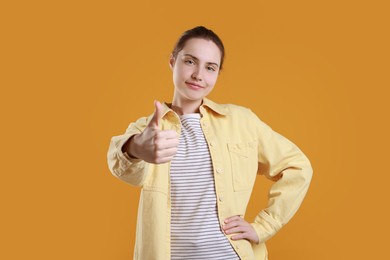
pixel 154 145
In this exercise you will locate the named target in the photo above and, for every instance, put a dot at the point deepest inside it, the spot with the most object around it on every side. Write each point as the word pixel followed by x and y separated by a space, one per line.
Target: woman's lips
pixel 193 86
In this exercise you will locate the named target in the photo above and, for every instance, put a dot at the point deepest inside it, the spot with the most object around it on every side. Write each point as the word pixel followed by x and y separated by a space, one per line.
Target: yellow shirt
pixel 241 146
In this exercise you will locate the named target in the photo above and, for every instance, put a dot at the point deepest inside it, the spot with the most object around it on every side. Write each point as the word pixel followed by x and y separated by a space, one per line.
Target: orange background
pixel 75 73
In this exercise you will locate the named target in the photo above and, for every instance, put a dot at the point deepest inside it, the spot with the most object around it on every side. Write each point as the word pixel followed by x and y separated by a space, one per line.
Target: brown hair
pixel 202 33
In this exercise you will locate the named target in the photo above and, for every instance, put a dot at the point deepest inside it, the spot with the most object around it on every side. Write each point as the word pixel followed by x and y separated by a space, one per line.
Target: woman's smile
pixel 194 86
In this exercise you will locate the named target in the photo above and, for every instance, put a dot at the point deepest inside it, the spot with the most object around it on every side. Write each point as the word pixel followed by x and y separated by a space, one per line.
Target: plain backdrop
pixel 75 73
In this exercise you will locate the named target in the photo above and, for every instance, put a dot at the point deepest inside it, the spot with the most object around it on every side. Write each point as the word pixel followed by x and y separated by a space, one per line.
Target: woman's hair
pixel 200 32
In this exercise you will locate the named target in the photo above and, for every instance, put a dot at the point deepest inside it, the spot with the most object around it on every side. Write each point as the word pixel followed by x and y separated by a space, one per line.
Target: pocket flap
pixel 238 148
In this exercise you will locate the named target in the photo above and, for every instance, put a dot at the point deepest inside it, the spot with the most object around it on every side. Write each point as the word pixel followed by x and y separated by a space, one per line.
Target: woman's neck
pixel 183 107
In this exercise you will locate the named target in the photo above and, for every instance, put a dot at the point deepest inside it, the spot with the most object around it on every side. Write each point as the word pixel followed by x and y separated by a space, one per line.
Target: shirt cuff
pixel 265 226
pixel 125 159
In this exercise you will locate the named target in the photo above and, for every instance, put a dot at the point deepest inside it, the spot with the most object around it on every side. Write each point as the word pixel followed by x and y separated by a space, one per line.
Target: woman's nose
pixel 197 75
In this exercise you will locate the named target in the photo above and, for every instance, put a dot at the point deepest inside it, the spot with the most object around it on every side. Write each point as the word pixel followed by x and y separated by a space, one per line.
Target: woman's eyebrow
pixel 195 58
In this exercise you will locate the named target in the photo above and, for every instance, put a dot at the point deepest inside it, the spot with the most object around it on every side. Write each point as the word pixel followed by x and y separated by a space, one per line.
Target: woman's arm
pixel 143 143
pixel 283 162
pixel 121 165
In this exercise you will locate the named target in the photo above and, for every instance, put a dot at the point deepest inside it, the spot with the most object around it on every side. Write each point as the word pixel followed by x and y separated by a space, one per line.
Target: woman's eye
pixel 189 61
pixel 211 68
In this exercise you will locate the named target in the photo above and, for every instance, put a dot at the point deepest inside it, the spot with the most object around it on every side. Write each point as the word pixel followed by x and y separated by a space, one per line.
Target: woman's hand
pixel 154 145
pixel 237 224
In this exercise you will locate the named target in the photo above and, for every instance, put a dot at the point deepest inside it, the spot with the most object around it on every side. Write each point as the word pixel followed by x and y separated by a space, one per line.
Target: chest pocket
pixel 244 162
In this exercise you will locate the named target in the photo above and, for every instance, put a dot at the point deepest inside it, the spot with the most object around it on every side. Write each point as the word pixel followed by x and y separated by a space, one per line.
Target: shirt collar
pixel 218 108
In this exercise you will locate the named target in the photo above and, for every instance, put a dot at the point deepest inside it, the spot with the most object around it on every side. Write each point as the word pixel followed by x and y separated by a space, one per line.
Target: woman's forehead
pixel 204 50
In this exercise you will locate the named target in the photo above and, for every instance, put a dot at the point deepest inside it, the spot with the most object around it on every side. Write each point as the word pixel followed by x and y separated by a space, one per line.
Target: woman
pixel 197 162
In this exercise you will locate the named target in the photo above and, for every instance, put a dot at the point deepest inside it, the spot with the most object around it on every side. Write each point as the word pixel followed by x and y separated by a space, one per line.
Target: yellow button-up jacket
pixel 241 147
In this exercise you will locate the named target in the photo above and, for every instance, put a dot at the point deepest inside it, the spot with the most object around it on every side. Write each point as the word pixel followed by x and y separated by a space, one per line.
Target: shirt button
pixel 219 170
pixel 205 124
pixel 212 143
pixel 237 247
pixel 221 198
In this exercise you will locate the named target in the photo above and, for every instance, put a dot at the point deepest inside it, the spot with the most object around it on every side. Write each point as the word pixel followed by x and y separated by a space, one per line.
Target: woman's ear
pixel 171 61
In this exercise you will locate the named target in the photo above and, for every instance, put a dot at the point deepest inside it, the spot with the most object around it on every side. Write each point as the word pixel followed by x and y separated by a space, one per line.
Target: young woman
pixel 197 161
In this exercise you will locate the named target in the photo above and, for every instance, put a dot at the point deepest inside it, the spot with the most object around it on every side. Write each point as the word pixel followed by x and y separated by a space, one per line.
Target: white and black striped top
pixel 195 229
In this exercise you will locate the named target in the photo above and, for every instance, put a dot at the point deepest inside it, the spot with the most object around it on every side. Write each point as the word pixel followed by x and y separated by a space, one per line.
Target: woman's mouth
pixel 194 86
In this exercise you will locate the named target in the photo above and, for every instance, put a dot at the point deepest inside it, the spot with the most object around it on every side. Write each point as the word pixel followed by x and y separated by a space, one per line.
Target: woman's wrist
pixel 129 148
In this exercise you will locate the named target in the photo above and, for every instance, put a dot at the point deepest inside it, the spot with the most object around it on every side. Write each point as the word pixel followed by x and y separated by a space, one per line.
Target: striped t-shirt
pixel 195 229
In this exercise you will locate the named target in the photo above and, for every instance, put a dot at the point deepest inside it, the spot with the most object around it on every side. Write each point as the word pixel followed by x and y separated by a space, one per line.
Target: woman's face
pixel 195 70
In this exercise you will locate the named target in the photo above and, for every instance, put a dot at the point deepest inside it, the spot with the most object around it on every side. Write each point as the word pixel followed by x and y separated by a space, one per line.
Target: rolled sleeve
pixel 130 170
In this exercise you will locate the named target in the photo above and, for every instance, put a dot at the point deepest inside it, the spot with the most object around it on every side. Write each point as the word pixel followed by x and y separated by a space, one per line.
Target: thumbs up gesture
pixel 154 145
